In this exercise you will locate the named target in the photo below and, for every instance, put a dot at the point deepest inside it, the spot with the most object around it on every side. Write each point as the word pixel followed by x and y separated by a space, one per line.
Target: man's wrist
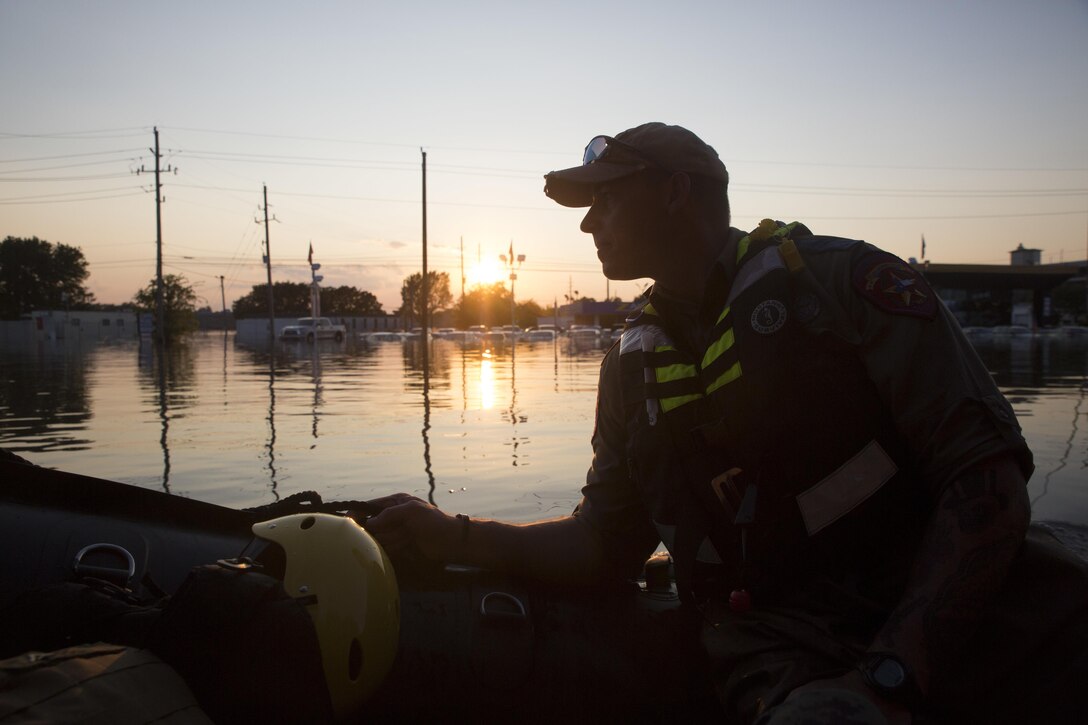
pixel 893 679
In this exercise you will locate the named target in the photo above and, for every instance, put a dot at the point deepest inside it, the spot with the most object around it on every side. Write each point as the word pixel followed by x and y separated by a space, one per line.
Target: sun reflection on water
pixel 487 381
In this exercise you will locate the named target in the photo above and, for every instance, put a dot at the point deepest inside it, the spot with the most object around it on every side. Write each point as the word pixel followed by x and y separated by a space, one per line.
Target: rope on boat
pixel 310 502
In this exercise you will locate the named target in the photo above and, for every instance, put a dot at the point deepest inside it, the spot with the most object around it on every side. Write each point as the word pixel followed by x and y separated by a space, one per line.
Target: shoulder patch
pixel 894 286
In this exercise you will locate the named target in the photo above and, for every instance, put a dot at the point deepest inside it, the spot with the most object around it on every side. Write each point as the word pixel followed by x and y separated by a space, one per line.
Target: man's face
pixel 628 221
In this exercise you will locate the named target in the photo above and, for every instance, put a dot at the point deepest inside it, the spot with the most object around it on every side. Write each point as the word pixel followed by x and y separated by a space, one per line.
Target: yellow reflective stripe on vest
pixel 669 373
pixel 679 371
pixel 676 371
pixel 733 373
pixel 636 337
pixel 718 348
pixel 668 404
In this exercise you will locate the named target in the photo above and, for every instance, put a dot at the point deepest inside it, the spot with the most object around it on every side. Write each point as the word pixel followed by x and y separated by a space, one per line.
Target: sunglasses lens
pixel 594 149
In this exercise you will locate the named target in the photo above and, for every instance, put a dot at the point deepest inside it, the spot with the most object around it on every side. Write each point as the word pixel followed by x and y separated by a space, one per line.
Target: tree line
pixel 38 275
pixel 483 305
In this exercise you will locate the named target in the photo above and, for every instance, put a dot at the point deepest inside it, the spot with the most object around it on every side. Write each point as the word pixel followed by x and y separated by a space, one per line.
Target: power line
pixel 64 166
pixel 949 216
pixel 292 138
pixel 139 130
pixel 894 167
pixel 80 135
pixel 359 164
pixel 70 156
pixel 522 150
pixel 96 177
pixel 9 202
pixel 923 193
pixel 327 162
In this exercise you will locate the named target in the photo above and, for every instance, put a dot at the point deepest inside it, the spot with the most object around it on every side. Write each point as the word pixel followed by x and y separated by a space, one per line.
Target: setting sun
pixel 485 273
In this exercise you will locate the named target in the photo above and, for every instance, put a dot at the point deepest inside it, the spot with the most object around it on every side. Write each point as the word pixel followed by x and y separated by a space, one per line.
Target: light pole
pixel 510 261
pixel 315 290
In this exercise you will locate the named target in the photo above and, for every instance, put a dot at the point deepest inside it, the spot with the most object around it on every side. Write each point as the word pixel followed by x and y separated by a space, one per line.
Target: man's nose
pixel 589 221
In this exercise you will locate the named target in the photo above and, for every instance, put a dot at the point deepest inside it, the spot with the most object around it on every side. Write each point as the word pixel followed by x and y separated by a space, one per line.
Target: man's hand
pixel 408 525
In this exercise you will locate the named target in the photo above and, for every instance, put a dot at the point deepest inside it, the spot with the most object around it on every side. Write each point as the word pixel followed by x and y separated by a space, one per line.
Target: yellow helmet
pixel 350 590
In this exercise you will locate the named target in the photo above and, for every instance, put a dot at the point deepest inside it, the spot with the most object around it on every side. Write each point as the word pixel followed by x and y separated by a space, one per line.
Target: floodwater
pixel 500 432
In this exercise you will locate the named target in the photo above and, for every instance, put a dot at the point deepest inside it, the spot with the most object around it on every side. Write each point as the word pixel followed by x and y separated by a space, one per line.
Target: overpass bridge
pixel 1001 281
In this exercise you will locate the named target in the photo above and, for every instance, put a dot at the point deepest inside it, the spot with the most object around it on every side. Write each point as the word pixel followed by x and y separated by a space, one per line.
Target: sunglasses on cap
pixel 599 146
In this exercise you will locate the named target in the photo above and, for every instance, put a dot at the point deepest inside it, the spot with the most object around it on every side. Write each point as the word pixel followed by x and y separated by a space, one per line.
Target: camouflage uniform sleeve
pixel 611 503
pixel 943 399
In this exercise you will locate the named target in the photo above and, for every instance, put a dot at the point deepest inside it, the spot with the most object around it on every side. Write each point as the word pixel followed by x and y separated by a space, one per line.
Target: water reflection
pixel 44 396
pixel 164 363
pixel 1067 450
pixel 515 416
pixel 427 469
pixel 487 381
pixel 1033 361
pixel 1037 374
pixel 315 375
pixel 166 378
pixel 245 425
pixel 270 446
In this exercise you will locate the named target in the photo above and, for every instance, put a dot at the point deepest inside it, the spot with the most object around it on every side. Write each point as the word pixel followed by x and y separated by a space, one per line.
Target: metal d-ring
pixel 520 614
pixel 105 572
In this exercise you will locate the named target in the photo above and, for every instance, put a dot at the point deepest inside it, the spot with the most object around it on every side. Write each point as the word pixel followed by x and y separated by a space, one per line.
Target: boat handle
pixel 105 572
pixel 496 612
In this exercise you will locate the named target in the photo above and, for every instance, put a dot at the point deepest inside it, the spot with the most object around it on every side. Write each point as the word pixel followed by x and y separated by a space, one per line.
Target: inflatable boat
pixel 473 646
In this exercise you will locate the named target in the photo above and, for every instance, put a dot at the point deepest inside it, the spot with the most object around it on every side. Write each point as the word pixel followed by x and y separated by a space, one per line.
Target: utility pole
pixel 222 293
pixel 268 267
pixel 160 304
pixel 462 269
pixel 510 264
pixel 315 279
pixel 423 287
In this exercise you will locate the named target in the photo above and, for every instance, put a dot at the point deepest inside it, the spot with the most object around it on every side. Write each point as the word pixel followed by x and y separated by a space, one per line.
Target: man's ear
pixel 679 188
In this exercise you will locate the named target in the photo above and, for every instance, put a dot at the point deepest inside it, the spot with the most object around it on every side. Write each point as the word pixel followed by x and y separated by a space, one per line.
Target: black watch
pixel 889 676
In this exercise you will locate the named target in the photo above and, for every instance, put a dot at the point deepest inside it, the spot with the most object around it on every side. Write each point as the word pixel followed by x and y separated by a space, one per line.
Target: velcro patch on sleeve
pixel 894 286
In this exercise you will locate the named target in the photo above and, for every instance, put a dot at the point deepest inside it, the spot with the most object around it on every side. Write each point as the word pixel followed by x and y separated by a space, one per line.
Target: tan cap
pixel 649 146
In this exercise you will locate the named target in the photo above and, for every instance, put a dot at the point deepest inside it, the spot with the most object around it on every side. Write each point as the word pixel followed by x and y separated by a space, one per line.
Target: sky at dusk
pixel 965 121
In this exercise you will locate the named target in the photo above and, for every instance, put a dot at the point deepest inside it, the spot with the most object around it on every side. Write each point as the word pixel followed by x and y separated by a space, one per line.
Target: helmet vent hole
pixel 355 660
pixel 308 522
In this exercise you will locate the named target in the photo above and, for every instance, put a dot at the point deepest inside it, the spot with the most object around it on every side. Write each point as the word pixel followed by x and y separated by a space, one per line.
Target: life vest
pixel 766 457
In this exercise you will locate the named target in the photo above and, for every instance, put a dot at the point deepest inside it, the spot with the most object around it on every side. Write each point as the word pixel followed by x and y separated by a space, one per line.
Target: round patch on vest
pixel 894 286
pixel 768 317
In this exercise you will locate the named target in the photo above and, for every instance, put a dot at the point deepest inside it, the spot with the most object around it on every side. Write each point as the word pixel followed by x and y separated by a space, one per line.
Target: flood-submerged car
pixel 313 328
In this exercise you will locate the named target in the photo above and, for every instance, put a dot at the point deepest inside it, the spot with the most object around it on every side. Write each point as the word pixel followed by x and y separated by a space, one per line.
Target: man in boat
pixel 799 419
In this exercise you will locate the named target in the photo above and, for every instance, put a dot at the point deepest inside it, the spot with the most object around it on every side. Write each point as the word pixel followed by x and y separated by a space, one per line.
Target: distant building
pixel 82 324
pixel 1018 293
pixel 1023 256
pixel 610 313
